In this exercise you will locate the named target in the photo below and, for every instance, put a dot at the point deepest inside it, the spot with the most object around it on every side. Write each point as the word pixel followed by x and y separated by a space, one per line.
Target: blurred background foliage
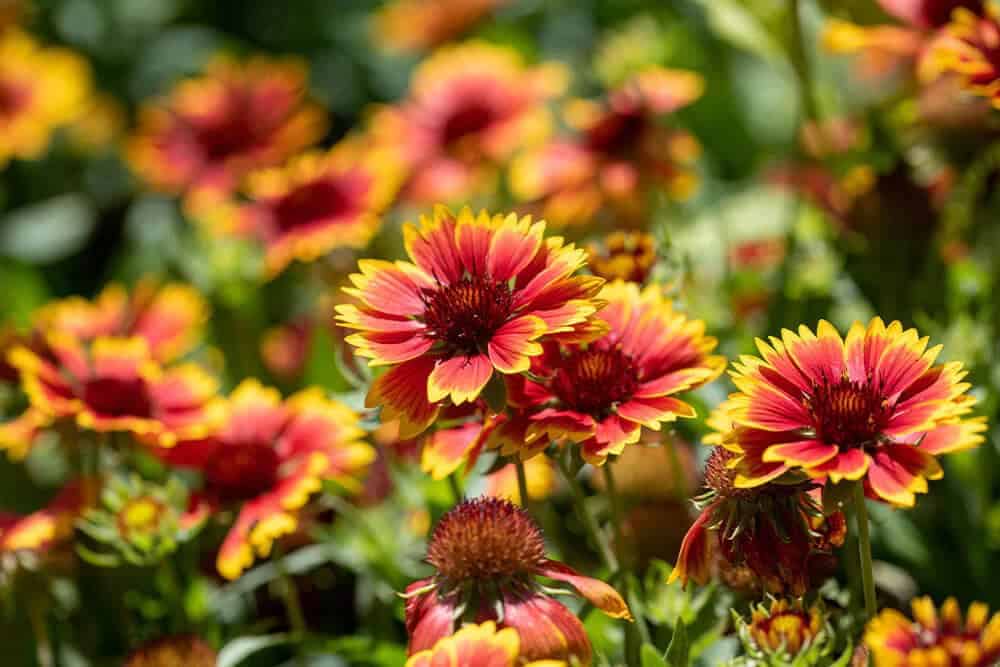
pixel 749 256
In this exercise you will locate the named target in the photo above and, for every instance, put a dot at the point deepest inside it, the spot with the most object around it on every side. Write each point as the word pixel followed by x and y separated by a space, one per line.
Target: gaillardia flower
pixel 316 203
pixel 266 461
pixel 173 651
pixel 417 25
pixel 602 393
pixel 874 408
pixel 935 639
pixel 487 553
pixel 480 295
pixel 213 129
pixel 477 645
pixel 969 48
pixel 628 256
pixel 169 317
pixel 114 384
pixel 777 531
pixel 622 153
pixel 786 633
pixel 470 107
pixel 41 89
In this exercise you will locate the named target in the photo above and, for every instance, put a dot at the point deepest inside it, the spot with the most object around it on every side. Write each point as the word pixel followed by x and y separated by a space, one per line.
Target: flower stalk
pixel 865 550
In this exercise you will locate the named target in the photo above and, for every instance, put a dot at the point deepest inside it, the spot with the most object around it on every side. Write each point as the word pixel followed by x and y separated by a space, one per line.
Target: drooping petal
pixel 851 464
pixel 899 471
pixel 402 394
pixel 459 378
pixel 598 593
pixel 513 344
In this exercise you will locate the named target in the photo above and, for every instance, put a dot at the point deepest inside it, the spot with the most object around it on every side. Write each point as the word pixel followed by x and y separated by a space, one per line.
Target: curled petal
pixel 598 593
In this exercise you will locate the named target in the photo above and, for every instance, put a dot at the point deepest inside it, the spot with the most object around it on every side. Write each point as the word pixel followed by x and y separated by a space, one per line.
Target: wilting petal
pixel 899 471
pixel 513 344
pixel 693 560
pixel 402 393
pixel 460 378
pixel 548 630
pixel 598 593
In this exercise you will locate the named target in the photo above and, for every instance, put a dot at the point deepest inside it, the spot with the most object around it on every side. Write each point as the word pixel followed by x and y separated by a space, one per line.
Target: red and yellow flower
pixel 487 552
pixel 316 203
pixel 622 153
pixel 934 638
pixel 969 48
pixel 884 48
pixel 480 295
pixel 266 461
pixel 602 393
pixel 874 407
pixel 623 255
pixel 115 384
pixel 213 129
pixel 481 645
pixel 787 632
pixel 776 531
pixel 417 25
pixel 41 89
pixel 169 317
pixel 470 107
pixel 46 528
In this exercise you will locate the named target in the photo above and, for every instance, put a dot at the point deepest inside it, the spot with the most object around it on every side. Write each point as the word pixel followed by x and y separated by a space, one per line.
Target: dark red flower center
pixel 847 413
pixel 471 118
pixel 594 381
pixel 486 538
pixel 617 134
pixel 240 471
pixel 118 397
pixel 313 204
pixel 466 314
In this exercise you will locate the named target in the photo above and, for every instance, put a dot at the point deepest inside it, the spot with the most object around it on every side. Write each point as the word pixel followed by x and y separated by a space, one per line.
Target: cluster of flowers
pixel 490 335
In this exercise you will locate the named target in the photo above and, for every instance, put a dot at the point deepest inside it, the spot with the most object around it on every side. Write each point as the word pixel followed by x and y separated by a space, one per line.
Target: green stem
pixel 522 484
pixel 802 64
pixel 456 488
pixel 865 549
pixel 40 629
pixel 617 518
pixel 293 605
pixel 589 522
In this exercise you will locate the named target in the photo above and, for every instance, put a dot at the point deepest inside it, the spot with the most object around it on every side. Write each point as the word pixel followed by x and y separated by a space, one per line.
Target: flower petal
pixel 460 378
pixel 513 344
pixel 513 246
pixel 402 393
pixel 598 593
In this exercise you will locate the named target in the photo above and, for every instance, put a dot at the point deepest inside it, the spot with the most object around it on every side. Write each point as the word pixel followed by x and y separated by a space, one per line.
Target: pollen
pixel 849 414
pixel 485 539
pixel 466 314
pixel 594 381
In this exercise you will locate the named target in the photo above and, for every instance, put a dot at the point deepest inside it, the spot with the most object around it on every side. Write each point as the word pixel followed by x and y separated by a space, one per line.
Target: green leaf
pixel 734 23
pixel 238 650
pixel 48 231
pixel 322 366
pixel 678 653
pixel 24 291
pixel 651 657
pixel 495 393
